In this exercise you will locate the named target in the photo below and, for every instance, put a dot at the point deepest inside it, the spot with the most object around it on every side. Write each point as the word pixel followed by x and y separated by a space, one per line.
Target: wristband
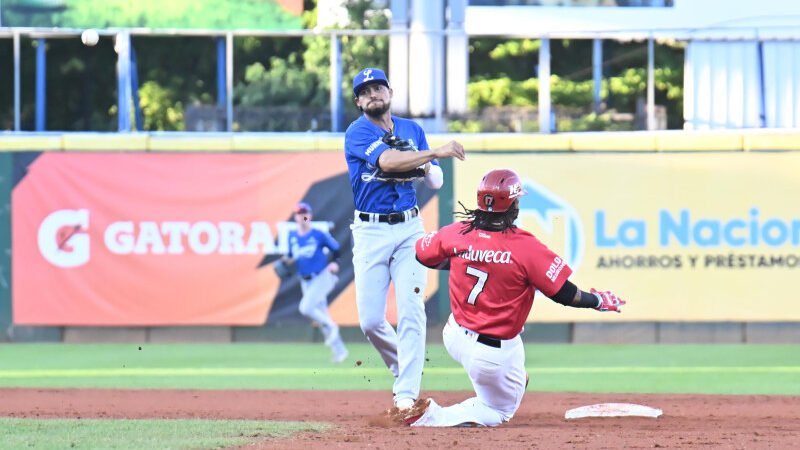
pixel 435 177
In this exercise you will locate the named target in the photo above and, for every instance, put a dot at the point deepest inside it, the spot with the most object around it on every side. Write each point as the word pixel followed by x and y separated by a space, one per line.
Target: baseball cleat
pixel 468 425
pixel 416 411
pixel 404 404
pixel 340 356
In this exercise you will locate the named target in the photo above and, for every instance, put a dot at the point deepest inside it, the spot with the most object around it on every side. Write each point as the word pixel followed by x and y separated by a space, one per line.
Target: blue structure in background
pixel 221 93
pixel 41 85
pixel 122 46
pixel 137 110
pixel 127 84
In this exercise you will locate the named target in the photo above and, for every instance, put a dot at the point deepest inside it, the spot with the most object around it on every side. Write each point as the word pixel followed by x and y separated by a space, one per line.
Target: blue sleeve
pixel 422 140
pixel 423 144
pixel 289 242
pixel 330 242
pixel 360 143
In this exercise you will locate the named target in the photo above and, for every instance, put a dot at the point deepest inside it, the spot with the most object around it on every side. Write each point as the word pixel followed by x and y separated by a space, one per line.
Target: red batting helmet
pixel 498 190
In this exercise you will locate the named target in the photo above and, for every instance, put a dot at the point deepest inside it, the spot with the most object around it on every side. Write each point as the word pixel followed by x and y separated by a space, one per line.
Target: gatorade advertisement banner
pixel 139 239
pixel 680 236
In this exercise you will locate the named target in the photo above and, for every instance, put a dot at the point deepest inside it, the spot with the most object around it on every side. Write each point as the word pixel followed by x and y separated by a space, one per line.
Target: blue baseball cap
pixel 368 76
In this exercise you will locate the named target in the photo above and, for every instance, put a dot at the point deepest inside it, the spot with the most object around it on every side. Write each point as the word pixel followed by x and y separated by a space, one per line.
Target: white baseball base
pixel 612 410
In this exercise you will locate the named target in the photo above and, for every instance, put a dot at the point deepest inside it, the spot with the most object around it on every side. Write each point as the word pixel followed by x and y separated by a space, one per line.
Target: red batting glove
pixel 608 301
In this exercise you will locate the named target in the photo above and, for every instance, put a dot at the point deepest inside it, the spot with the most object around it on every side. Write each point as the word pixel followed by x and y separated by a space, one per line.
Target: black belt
pixel 391 218
pixel 488 340
pixel 309 276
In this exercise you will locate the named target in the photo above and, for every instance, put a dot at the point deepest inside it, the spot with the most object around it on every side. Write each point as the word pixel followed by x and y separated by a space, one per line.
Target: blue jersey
pixel 307 250
pixel 363 145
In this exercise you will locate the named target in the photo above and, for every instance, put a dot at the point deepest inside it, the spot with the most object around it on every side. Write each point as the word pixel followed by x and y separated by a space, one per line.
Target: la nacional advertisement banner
pixel 155 239
pixel 680 236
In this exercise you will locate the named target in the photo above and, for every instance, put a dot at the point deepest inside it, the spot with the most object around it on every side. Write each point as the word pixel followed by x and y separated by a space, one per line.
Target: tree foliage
pixel 205 14
pixel 503 73
pixel 625 88
pixel 303 76
pixel 176 73
pixel 160 109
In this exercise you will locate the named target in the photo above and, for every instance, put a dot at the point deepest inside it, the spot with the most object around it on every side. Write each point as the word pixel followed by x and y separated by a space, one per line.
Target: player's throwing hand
pixel 451 149
pixel 607 301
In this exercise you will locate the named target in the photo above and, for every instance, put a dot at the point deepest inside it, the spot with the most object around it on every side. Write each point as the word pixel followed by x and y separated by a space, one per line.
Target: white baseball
pixel 90 37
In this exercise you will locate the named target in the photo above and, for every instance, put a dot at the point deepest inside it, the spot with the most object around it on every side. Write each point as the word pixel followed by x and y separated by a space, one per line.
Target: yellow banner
pixel 680 236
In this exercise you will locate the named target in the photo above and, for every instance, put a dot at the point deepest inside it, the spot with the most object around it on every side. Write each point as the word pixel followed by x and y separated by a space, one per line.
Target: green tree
pixel 305 71
pixel 206 14
pixel 503 74
pixel 160 109
pixel 176 73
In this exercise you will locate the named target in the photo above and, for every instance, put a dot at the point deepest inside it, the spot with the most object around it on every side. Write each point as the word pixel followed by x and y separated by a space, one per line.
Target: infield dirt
pixel 689 421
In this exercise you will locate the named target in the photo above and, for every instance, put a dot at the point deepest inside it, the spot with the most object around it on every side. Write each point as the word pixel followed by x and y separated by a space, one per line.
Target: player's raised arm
pixel 393 160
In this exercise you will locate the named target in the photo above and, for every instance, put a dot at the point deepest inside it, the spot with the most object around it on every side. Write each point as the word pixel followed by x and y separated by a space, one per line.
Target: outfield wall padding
pixel 484 151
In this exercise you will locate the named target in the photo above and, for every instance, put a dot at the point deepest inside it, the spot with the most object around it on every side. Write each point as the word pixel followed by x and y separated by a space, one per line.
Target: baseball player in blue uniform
pixel 385 155
pixel 317 275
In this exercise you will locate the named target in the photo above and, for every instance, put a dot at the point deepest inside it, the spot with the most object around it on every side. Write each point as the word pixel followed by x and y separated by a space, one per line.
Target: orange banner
pixel 153 239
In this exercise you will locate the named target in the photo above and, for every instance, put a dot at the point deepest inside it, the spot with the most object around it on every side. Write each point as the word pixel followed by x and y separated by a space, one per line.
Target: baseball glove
pixel 283 269
pixel 404 146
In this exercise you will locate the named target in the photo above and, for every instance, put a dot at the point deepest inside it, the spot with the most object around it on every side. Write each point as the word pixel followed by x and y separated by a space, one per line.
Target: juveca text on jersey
pixel 486 256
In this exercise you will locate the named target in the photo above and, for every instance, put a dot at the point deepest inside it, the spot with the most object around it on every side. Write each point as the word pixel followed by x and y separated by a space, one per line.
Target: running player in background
pixel 317 275
pixel 385 154
pixel 495 269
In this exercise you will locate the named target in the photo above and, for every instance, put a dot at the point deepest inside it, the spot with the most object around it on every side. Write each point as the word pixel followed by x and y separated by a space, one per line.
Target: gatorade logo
pixel 63 239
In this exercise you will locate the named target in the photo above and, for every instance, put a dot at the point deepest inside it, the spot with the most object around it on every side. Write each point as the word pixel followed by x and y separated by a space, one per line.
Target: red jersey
pixel 493 275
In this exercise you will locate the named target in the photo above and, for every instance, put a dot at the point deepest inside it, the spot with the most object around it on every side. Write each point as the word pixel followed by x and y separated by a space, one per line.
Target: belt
pixel 484 339
pixel 390 218
pixel 488 340
pixel 309 276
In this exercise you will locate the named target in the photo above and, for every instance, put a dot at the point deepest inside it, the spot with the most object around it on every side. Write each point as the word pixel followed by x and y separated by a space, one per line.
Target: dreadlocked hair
pixel 489 221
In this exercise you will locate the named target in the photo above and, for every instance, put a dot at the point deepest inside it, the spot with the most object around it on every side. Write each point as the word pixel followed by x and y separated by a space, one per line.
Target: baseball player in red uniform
pixel 495 270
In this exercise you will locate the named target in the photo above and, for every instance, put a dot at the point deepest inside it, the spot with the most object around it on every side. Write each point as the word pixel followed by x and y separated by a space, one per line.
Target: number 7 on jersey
pixel 479 284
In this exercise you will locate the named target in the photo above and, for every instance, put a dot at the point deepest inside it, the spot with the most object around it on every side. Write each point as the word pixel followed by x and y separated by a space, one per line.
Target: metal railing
pixel 225 48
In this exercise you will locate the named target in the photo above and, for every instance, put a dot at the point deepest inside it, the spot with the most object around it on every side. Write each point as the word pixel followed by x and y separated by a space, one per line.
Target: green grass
pixel 710 369
pixel 139 434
